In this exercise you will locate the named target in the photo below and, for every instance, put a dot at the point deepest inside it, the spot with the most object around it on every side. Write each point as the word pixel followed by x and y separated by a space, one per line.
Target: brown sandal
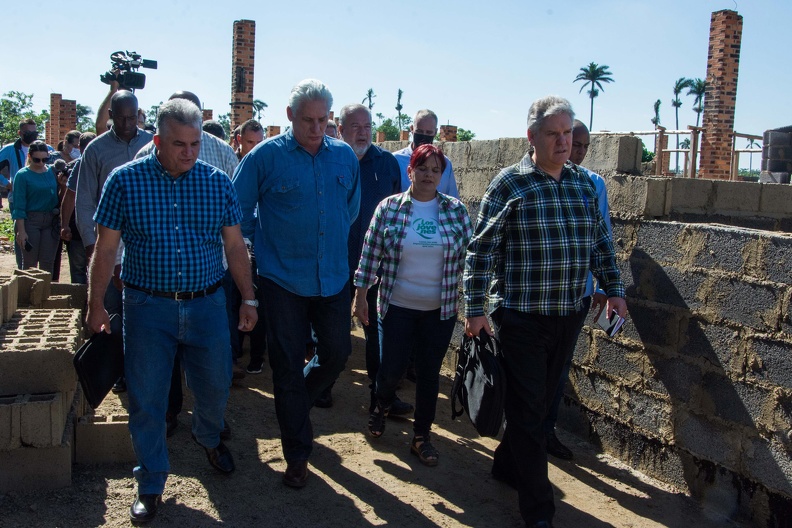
pixel 424 450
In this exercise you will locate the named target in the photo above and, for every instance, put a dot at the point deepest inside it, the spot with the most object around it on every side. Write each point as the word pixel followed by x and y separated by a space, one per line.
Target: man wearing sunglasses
pixel 12 158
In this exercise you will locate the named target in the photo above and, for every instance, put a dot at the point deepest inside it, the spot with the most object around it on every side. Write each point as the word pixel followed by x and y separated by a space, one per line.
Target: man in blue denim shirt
pixel 307 189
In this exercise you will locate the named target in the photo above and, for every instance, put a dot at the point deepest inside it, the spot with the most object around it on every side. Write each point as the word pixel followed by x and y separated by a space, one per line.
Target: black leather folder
pixel 99 362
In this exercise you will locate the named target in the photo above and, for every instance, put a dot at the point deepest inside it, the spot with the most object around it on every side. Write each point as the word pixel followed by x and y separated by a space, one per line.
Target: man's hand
pixel 618 305
pixel 66 234
pixel 473 326
pixel 599 302
pixel 360 306
pixel 97 319
pixel 248 316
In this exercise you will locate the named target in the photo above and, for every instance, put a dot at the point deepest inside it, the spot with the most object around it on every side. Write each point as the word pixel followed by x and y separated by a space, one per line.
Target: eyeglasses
pixel 39 160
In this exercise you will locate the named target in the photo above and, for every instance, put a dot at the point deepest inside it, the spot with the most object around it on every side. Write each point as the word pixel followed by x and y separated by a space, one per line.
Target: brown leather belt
pixel 178 296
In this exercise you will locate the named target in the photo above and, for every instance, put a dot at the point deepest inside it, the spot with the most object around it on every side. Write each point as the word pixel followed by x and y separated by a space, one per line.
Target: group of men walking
pixel 305 201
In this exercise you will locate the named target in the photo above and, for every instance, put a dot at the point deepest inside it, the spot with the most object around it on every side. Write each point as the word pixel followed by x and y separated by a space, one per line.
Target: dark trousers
pixel 534 350
pixel 371 333
pixel 552 411
pixel 297 385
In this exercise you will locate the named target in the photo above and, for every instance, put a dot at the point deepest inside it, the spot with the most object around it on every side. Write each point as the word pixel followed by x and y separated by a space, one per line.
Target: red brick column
pixel 243 57
pixel 723 61
pixel 63 118
pixel 273 131
pixel 448 133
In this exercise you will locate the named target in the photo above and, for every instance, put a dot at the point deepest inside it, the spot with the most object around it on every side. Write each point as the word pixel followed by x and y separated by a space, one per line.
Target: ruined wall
pixel 697 391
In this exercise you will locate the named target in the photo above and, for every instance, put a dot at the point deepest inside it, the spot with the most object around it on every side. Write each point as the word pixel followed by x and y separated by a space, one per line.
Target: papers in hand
pixel 611 325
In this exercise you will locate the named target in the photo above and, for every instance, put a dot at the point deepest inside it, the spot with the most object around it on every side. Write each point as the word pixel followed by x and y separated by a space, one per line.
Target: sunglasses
pixel 39 160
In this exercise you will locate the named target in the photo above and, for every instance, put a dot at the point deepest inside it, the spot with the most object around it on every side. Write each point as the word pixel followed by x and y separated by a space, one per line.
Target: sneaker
pixel 254 367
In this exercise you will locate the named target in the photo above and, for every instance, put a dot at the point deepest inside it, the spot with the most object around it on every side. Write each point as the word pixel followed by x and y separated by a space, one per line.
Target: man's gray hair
pixel 420 114
pixel 546 107
pixel 309 90
pixel 350 109
pixel 179 111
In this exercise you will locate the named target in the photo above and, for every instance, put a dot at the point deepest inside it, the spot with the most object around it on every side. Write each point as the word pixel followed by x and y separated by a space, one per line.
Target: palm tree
pixel 676 102
pixel 594 75
pixel 656 119
pixel 369 96
pixel 399 108
pixel 751 144
pixel 697 88
pixel 258 108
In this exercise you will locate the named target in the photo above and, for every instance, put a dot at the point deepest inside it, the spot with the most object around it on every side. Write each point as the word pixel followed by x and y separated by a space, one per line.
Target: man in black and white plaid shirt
pixel 539 232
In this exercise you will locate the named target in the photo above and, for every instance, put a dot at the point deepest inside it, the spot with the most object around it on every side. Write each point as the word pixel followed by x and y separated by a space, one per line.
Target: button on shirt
pixel 101 156
pixel 171 226
pixel 538 238
pixel 306 205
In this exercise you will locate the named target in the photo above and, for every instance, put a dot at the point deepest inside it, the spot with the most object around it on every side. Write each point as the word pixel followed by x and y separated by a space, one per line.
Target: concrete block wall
pixel 701 378
pixel 102 440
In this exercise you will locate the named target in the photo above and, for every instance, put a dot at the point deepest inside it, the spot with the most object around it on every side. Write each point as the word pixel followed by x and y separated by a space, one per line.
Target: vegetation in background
pixel 14 107
pixel 7 228
pixel 594 75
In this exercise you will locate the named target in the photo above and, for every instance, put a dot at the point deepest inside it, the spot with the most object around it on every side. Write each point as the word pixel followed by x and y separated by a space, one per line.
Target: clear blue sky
pixel 477 64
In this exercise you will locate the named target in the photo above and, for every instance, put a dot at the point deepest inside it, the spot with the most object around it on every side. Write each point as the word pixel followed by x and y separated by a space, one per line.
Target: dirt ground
pixel 354 480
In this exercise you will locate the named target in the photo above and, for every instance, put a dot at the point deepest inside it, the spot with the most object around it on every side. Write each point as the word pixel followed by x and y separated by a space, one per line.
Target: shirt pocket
pixel 287 194
pixel 344 185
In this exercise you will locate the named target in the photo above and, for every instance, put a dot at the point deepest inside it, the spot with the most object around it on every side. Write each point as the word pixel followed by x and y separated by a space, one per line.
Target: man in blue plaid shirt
pixel 175 215
pixel 539 232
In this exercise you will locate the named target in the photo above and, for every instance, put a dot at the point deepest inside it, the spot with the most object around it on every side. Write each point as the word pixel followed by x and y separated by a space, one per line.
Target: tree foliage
pixel 647 154
pixel 370 98
pixel 464 134
pixel 258 109
pixel 594 75
pixel 697 89
pixel 85 123
pixel 656 119
pixel 676 102
pixel 15 107
pixel 225 122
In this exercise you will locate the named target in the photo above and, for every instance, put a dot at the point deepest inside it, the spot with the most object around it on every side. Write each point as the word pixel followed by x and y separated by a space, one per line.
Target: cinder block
pixel 456 152
pixel 41 420
pixel 707 438
pixel 39 274
pixel 775 200
pixel 483 155
pixel 753 304
pixel 735 197
pixel 31 291
pixel 616 360
pixel 648 413
pixel 713 344
pixel 769 360
pixel 102 440
pixel 689 196
pixel 777 257
pixel 9 422
pixel 672 377
pixel 511 150
pixel 472 184
pixel 594 391
pixel 54 302
pixel 614 153
pixel 10 287
pixel 769 463
pixel 647 280
pixel 772 177
pixel 77 292
pixel 35 469
pixel 653 324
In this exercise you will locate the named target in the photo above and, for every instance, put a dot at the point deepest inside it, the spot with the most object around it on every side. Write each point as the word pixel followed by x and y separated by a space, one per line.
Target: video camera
pixel 127 63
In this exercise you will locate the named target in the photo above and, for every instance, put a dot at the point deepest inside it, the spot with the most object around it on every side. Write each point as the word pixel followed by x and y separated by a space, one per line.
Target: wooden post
pixel 659 150
pixel 694 146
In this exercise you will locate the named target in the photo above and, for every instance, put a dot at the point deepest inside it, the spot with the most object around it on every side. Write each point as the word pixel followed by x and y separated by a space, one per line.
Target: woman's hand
pixel 360 306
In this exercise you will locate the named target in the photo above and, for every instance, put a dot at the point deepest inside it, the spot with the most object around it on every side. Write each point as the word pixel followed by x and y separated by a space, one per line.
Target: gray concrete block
pixel 690 196
pixel 35 469
pixel 772 177
pixel 707 438
pixel 776 256
pixel 777 138
pixel 594 391
pixel 672 377
pixel 616 360
pixel 653 325
pixel 103 440
pixel 637 196
pixel 583 353
pixel 753 304
pixel 647 280
pixel 769 360
pixel 457 152
pixel 41 420
pixel 614 153
pixel 473 183
pixel 733 401
pixel 9 422
pixel 711 344
pixel 483 155
pixel 769 463
pixel 663 242
pixel 735 197
pixel 41 275
pixel 511 150
pixel 10 287
pixel 647 412
pixel 77 292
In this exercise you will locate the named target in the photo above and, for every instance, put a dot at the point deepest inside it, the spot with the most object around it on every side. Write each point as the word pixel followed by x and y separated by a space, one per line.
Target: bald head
pixel 123 114
pixel 580 142
pixel 183 94
pixel 123 98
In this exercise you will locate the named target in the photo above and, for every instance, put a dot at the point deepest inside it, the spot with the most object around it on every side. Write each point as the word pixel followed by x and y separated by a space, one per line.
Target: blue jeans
pixel 78 262
pixel 403 331
pixel 534 350
pixel 156 330
pixel 297 385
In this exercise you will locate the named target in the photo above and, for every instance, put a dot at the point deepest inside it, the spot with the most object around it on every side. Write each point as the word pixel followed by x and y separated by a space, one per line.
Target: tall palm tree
pixel 656 119
pixel 676 102
pixel 594 75
pixel 751 144
pixel 697 89
pixel 369 97
pixel 399 108
pixel 258 108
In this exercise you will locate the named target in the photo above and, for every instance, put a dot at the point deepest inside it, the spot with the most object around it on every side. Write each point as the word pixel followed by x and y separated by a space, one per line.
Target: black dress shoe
pixel 171 423
pixel 144 509
pixel 504 475
pixel 120 386
pixel 296 474
pixel 400 408
pixel 556 448
pixel 219 457
pixel 325 400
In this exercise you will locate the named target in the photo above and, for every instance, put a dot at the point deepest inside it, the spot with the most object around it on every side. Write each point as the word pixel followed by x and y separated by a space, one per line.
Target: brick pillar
pixel 243 57
pixel 68 117
pixel 404 135
pixel 273 131
pixel 448 133
pixel 207 114
pixel 380 137
pixel 723 61
pixel 662 165
pixel 53 125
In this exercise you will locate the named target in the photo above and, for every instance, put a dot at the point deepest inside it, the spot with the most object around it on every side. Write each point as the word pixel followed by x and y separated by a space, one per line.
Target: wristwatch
pixel 251 302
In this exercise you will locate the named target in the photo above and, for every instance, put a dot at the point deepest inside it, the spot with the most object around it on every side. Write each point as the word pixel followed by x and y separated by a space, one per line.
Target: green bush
pixel 7 228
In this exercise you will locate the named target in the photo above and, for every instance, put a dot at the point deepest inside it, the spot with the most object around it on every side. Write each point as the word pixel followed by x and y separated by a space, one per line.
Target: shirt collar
pixel 527 166
pixel 292 144
pixel 115 136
